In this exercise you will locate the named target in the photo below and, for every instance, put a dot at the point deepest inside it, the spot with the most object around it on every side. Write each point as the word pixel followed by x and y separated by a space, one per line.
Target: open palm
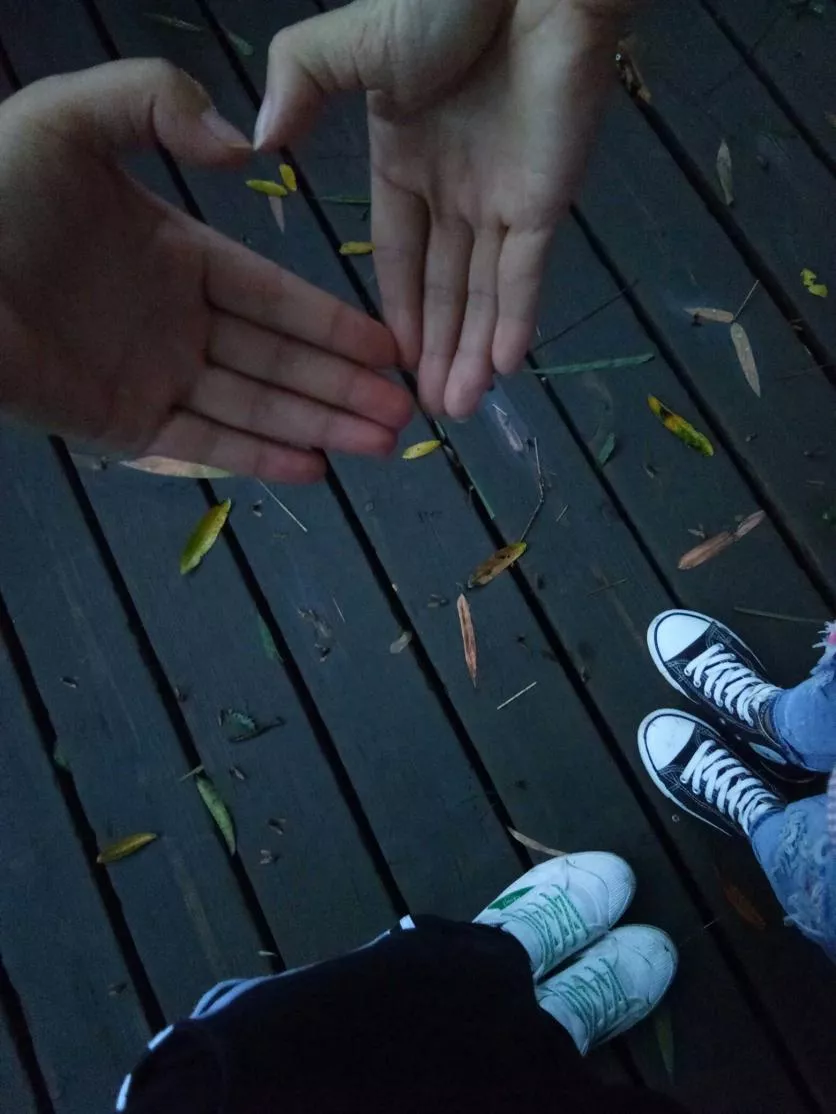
pixel 133 326
pixel 481 114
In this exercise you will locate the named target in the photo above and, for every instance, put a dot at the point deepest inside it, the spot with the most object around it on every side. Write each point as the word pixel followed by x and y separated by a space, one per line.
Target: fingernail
pixel 227 133
pixel 263 122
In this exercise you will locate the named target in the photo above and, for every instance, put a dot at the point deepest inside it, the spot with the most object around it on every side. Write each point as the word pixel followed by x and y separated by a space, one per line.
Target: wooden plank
pixel 704 94
pixel 15 1087
pixel 349 904
pixel 114 734
pixel 85 1021
pixel 792 48
pixel 672 255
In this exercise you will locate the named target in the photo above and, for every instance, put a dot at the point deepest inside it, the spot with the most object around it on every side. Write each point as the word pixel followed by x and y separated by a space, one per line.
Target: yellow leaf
pixel 272 189
pixel 499 562
pixel 817 289
pixel 217 809
pixel 423 448
pixel 535 844
pixel 468 637
pixel 124 847
pixel 708 313
pixel 205 535
pixel 357 247
pixel 288 177
pixel 680 428
pixel 162 466
pixel 724 172
pixel 746 357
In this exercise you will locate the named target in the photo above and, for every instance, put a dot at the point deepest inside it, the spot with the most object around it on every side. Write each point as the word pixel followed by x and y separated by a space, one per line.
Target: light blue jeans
pixel 797 846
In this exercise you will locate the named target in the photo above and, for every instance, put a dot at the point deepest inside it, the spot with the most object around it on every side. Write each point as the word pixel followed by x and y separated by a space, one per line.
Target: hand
pixel 129 324
pixel 481 115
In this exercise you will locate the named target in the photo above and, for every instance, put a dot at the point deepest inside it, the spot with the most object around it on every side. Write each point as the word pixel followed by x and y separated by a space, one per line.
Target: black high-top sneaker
pixel 709 664
pixel 693 767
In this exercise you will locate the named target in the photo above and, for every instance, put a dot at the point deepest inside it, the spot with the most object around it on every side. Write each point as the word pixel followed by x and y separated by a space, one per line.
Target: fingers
pixel 472 369
pixel 400 223
pixel 200 441
pixel 140 103
pixel 268 412
pixel 445 296
pixel 520 270
pixel 249 286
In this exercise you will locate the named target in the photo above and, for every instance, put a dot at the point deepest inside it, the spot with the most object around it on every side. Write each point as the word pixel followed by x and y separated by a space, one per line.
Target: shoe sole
pixel 651 769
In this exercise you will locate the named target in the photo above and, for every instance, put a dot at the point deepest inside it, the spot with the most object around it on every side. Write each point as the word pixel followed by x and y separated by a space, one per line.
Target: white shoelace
pixel 554 922
pixel 720 778
pixel 732 685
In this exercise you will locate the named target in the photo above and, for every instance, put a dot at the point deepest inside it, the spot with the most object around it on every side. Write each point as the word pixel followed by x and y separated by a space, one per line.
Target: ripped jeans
pixel 797 846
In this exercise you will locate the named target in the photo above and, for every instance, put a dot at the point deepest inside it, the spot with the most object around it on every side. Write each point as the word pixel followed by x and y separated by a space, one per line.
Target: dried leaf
pixel 270 648
pixel 663 1030
pixel 742 905
pixel 710 548
pixel 680 428
pixel 707 313
pixel 748 524
pixel 265 186
pixel 724 172
pixel 605 453
pixel 423 448
pixel 241 45
pixel 629 71
pixel 163 466
pixel 596 365
pixel 743 348
pixel 124 847
pixel 277 209
pixel 288 177
pixel 817 289
pixel 535 845
pixel 401 642
pixel 499 562
pixel 205 535
pixel 218 810
pixel 174 22
pixel 468 637
pixel 357 247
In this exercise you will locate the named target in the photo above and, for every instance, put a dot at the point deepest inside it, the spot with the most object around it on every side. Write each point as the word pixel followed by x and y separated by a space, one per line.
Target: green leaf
pixel 270 648
pixel 663 1029
pixel 124 847
pixel 605 453
pixel 596 365
pixel 218 810
pixel 204 536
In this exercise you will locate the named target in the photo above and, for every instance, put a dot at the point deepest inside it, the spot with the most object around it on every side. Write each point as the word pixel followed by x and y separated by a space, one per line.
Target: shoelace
pixel 596 995
pixel 555 922
pixel 728 785
pixel 728 682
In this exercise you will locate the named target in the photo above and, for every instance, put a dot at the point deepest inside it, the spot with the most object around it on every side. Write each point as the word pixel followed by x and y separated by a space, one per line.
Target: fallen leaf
pixel 629 71
pixel 237 773
pixel 218 810
pixel 499 562
pixel 680 428
pixel 357 247
pixel 241 45
pixel 423 448
pixel 345 199
pixel 257 731
pixel 743 348
pixel 124 847
pixel 263 185
pixel 468 637
pixel 707 313
pixel 817 289
pixel 270 648
pixel 401 642
pixel 277 209
pixel 596 365
pixel 605 453
pixel 237 719
pixel 288 177
pixel 173 21
pixel 163 466
pixel 535 845
pixel 742 905
pixel 724 172
pixel 204 537
pixel 710 548
pixel 663 1031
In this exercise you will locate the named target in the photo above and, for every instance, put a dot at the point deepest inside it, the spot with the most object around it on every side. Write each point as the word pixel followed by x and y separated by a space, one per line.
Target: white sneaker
pixel 563 905
pixel 613 986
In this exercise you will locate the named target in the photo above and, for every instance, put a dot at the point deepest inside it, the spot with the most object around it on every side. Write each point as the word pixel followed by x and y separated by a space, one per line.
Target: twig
pixel 582 320
pixel 286 510
pixel 541 489
pixel 339 609
pixel 606 587
pixel 774 615
pixel 747 299
pixel 192 773
pixel 516 696
pixel 562 515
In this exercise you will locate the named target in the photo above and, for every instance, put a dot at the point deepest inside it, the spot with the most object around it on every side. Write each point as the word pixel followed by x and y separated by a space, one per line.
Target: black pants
pixel 437 1018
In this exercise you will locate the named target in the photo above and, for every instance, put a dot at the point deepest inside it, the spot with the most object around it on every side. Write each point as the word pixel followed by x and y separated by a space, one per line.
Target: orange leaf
pixel 499 562
pixel 742 905
pixel 468 637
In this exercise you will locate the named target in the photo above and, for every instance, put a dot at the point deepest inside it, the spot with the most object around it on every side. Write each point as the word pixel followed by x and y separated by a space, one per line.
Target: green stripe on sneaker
pixel 509 899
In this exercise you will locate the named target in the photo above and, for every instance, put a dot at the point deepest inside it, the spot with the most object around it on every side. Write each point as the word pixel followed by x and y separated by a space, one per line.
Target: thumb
pixel 136 104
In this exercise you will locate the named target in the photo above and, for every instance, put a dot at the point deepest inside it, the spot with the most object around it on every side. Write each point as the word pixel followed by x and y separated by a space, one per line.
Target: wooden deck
pixel 390 783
